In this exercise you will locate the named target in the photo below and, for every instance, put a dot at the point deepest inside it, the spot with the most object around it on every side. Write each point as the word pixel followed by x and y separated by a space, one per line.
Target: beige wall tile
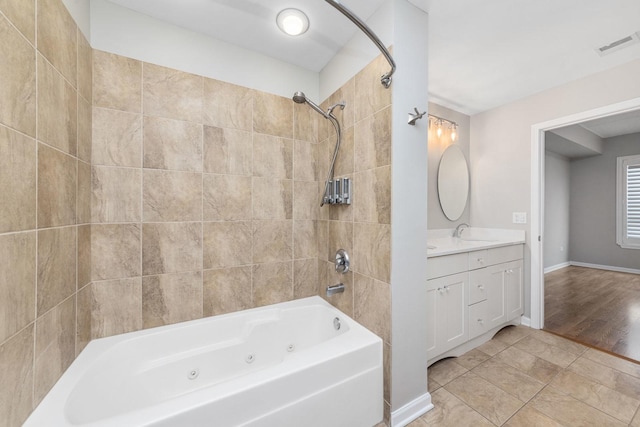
pixel 372 250
pixel 345 158
pixel 85 121
pixel 386 365
pixel 115 251
pixel 340 237
pixel 304 161
pixel 305 239
pixel 55 346
pixel 228 151
pixel 374 187
pixel 274 157
pixel 56 188
pixel 322 228
pixel 306 122
pixel 17 80
pixel 117 82
pixel 227 105
pixel 306 200
pixel 115 194
pixel 272 115
pixel 272 283
pixel 16 371
pixel 272 241
pixel 85 68
pixel 272 198
pixel 172 144
pixel 226 197
pixel 56 266
pixel 17 282
pixel 22 14
pixel 17 181
pixel 171 298
pixel 83 318
pixel 171 247
pixel 227 244
pixel 305 278
pixel 83 195
pixel 372 141
pixel 84 255
pixel 117 138
pixel 57 38
pixel 227 290
pixel 323 158
pixel 116 307
pixel 346 94
pixel 172 94
pixel 57 109
pixel 372 305
pixel 370 95
pixel 327 276
pixel 171 196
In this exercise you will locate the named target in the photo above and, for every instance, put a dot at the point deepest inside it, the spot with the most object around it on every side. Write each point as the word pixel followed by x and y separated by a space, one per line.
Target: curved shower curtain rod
pixel 386 78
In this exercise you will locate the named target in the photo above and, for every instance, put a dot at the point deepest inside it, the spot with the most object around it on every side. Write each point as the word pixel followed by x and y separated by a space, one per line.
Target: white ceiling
pixel 620 124
pixel 482 53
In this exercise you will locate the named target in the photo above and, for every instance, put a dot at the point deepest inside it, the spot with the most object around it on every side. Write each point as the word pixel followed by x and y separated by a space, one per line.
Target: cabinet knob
pixel 481 321
pixel 509 271
pixel 480 260
pixel 440 290
pixel 481 287
pixel 446 288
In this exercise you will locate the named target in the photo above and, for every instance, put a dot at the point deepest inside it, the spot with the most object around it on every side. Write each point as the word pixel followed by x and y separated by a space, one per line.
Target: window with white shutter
pixel 628 221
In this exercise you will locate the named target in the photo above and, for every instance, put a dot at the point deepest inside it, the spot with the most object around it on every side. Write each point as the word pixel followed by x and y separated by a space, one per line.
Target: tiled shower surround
pixel 135 196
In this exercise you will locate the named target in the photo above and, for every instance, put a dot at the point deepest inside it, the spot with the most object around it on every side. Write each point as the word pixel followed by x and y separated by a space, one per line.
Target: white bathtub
pixel 277 366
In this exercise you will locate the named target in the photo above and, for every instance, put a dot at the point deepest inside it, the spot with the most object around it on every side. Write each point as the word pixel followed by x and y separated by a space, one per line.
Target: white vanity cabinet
pixel 470 296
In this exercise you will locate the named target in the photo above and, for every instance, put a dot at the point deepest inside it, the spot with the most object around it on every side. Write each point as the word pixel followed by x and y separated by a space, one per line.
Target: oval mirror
pixel 453 182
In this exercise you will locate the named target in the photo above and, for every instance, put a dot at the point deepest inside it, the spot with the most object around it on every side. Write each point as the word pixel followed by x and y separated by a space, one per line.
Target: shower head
pixel 301 98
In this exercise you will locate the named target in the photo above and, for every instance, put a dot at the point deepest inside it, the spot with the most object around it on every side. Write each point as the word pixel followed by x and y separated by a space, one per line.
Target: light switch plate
pixel 519 217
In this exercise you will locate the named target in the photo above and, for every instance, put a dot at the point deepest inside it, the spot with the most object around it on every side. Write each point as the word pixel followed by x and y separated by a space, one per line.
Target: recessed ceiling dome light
pixel 293 22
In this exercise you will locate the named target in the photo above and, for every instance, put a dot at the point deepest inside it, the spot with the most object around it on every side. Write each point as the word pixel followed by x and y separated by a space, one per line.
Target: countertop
pixel 441 242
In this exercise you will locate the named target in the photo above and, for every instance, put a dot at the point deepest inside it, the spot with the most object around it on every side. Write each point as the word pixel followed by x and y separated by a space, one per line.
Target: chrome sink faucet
pixel 459 229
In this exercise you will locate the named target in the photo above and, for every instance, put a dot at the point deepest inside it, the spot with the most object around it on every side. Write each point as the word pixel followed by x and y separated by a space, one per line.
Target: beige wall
pixel 437 146
pixel 45 150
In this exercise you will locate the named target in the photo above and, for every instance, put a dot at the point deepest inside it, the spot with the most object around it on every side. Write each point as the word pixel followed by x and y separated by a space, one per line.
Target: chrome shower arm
pixel 386 78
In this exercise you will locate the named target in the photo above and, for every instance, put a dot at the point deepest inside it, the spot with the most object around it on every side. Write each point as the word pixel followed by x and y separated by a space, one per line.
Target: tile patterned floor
pixel 529 378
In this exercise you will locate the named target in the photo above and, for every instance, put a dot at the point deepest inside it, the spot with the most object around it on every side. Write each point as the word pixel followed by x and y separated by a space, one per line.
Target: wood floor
pixel 595 307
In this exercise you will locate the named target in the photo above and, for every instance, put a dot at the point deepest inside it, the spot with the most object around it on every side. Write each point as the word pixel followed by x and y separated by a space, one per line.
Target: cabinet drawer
pixel 477 285
pixel 478 259
pixel 446 265
pixel 478 319
pixel 504 254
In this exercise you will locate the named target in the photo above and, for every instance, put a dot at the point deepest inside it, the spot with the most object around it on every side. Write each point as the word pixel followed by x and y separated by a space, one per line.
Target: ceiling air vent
pixel 619 44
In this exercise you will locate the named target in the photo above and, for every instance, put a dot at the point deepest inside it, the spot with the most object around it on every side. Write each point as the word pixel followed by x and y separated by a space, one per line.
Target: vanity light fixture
pixel 292 22
pixel 439 122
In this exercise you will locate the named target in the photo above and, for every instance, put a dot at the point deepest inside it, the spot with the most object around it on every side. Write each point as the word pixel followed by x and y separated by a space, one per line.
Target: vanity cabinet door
pixel 447 299
pixel 513 278
pixel 496 310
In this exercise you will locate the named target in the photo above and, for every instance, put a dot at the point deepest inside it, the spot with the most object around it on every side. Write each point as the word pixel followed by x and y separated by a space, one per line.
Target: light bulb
pixel 439 130
pixel 292 22
pixel 454 134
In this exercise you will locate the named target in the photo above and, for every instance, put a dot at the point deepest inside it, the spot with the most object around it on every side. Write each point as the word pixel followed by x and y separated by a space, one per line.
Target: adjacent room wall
pixel 501 146
pixel 556 210
pixel 45 177
pixel 593 207
pixel 436 218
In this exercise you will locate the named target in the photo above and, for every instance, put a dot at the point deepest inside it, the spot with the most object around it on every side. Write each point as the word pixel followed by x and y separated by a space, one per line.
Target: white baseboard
pixel 525 321
pixel 556 267
pixel 605 267
pixel 411 411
